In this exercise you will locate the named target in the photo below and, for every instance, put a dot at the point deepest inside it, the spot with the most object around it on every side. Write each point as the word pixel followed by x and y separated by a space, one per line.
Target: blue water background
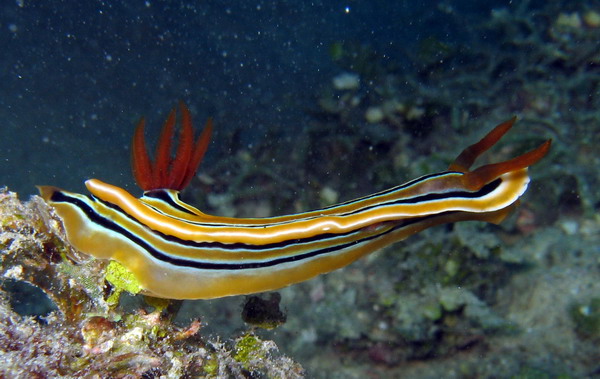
pixel 76 76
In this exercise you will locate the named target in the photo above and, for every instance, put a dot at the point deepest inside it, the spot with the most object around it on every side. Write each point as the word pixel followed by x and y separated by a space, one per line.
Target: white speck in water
pixel 570 227
pixel 585 310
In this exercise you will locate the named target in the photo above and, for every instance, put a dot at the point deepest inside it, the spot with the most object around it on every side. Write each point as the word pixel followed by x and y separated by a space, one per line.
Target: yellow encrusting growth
pixel 122 280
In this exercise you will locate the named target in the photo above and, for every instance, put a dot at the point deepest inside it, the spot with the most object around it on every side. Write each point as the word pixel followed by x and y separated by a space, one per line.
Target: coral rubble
pixel 88 337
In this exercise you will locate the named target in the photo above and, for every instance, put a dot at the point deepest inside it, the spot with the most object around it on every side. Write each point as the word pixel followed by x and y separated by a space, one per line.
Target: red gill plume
pixel 167 172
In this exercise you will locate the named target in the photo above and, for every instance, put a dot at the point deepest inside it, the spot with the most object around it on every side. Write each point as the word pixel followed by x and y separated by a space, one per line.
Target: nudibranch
pixel 176 251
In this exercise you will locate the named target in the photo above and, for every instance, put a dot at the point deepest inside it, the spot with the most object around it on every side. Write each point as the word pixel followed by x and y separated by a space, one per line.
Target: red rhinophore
pixel 475 179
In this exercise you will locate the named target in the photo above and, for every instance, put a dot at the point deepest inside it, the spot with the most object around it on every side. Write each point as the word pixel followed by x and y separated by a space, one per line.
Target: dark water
pixel 76 76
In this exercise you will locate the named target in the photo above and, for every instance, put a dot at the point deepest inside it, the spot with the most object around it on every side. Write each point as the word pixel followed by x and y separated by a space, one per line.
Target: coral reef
pixel 89 336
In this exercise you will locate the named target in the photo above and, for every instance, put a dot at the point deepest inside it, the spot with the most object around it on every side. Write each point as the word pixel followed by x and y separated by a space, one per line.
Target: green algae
pixel 247 349
pixel 211 366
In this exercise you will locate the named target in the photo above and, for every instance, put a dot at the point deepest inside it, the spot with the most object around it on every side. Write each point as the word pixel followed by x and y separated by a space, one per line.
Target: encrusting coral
pixel 88 336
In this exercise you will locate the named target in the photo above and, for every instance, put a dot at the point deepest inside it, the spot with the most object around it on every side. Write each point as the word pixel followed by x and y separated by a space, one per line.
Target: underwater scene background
pixel 313 103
